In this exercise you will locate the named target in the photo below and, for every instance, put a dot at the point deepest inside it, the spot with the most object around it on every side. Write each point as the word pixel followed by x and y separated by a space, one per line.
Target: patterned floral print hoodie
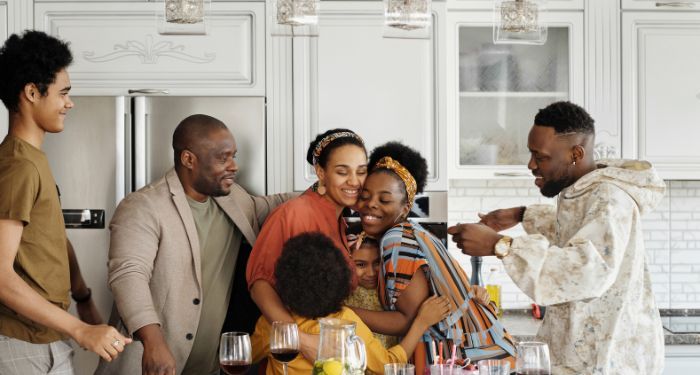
pixel 585 260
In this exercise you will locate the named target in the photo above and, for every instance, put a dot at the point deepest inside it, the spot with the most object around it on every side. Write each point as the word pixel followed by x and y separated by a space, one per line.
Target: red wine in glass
pixel 235 354
pixel 235 367
pixel 284 355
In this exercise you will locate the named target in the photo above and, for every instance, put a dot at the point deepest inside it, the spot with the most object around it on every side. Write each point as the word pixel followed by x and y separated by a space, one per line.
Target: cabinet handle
pixel 512 174
pixel 676 4
pixel 149 91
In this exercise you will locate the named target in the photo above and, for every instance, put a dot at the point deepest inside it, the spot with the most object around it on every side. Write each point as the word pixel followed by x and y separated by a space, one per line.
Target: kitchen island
pixel 682 349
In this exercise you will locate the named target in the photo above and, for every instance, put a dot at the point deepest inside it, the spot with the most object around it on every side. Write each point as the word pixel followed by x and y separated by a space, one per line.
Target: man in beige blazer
pixel 174 245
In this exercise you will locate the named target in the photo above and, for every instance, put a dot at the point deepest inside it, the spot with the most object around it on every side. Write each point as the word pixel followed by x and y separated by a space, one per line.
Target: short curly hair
pixel 34 57
pixel 565 117
pixel 312 276
pixel 338 142
pixel 406 156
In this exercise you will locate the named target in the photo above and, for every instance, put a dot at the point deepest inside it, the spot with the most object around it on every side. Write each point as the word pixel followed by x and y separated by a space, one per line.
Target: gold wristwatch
pixel 502 247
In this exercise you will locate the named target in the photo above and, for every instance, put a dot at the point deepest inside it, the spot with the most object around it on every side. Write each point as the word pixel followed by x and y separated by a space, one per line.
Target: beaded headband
pixel 403 173
pixel 330 138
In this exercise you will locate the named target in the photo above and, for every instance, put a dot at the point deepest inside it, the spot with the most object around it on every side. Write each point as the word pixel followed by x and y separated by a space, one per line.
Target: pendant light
pixel 408 19
pixel 519 22
pixel 182 17
pixel 294 18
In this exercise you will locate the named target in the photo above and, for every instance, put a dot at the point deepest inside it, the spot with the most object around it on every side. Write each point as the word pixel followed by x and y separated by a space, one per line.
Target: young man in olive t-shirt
pixel 35 271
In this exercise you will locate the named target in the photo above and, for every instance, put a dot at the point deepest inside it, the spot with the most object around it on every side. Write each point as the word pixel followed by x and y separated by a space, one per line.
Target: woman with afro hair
pixel 416 265
pixel 313 280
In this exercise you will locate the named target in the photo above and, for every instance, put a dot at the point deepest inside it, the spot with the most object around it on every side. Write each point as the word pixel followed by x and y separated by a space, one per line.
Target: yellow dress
pixel 377 354
pixel 368 299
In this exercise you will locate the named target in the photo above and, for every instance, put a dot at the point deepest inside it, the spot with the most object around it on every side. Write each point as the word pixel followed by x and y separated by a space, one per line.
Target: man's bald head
pixel 192 133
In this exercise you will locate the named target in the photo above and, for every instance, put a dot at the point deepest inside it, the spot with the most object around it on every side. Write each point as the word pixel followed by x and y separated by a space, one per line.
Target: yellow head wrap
pixel 403 173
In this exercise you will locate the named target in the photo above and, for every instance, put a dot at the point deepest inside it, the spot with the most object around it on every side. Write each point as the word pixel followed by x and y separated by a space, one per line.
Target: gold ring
pixel 116 342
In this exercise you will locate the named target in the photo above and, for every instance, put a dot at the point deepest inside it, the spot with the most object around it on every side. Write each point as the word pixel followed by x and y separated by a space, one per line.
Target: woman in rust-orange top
pixel 340 160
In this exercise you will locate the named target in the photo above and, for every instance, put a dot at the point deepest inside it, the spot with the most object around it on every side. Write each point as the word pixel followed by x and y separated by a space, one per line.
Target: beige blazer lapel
pixel 234 211
pixel 183 208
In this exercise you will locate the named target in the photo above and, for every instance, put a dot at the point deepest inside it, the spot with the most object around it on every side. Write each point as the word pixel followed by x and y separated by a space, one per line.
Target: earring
pixel 573 163
pixel 321 190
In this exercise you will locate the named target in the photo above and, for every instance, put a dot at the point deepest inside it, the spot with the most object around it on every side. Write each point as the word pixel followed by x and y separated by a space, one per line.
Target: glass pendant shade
pixel 183 16
pixel 519 22
pixel 184 11
pixel 411 19
pixel 292 18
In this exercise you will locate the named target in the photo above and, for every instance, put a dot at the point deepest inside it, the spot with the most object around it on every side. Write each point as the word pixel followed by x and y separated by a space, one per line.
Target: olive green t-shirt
pixel 219 242
pixel 28 193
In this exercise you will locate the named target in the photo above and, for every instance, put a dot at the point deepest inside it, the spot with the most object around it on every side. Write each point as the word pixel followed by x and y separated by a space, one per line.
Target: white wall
pixel 671 234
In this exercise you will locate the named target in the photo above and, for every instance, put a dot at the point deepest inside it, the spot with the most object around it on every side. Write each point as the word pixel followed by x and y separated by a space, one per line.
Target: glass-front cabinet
pixel 498 88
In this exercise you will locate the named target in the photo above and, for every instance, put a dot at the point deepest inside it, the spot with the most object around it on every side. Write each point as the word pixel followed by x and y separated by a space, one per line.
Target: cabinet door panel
pixel 662 91
pixel 117 47
pixel 384 89
pixel 494 91
pixel 488 4
pixel 672 5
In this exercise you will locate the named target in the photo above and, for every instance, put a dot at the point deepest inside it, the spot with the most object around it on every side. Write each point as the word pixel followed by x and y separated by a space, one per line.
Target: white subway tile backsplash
pixel 671 236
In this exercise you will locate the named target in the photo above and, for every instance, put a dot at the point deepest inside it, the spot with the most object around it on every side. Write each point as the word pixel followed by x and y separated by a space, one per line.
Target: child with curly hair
pixel 313 280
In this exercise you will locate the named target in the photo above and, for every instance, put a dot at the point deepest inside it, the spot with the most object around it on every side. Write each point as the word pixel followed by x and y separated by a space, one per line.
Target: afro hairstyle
pixel 312 275
pixel 406 156
pixel 34 57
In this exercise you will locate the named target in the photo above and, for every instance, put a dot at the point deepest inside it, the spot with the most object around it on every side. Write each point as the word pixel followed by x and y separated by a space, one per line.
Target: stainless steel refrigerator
pixel 114 145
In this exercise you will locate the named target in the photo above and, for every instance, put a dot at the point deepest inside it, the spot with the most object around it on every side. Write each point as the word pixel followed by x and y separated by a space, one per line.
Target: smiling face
pixel 551 160
pixel 366 260
pixel 49 111
pixel 382 202
pixel 344 174
pixel 215 167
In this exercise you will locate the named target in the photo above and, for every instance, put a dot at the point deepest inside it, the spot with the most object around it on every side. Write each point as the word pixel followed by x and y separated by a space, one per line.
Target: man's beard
pixel 208 188
pixel 551 189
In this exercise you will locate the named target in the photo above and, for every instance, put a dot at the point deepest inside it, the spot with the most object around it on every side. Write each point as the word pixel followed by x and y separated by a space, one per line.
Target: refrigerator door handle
pixel 120 138
pixel 140 133
pixel 149 91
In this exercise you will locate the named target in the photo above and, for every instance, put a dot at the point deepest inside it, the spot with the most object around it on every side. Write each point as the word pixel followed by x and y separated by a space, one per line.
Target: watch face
pixel 502 246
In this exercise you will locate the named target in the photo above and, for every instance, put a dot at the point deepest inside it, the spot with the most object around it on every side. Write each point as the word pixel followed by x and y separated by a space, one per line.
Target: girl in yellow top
pixel 313 280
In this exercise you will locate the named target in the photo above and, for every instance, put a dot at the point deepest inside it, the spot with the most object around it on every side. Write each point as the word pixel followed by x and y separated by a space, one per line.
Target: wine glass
pixel 235 354
pixel 284 342
pixel 532 359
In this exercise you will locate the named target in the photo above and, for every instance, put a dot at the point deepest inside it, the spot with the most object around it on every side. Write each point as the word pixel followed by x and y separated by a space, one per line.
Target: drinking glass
pixel 532 358
pixel 235 354
pixel 284 342
pixel 399 369
pixel 445 369
pixel 494 367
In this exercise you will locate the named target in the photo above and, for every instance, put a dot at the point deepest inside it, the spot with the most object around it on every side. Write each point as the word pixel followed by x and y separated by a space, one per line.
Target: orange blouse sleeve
pixel 267 249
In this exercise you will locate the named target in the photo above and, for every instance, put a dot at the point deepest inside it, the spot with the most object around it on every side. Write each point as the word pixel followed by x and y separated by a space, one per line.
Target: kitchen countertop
pixel 524 327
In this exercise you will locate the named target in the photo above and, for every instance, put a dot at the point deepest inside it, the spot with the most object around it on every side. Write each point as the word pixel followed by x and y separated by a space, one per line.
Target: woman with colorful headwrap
pixel 340 160
pixel 416 265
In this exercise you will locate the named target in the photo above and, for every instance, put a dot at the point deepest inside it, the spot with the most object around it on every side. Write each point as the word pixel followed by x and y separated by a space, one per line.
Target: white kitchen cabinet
pixel 384 89
pixel 489 4
pixel 682 359
pixel 661 91
pixel 494 91
pixel 3 35
pixel 683 5
pixel 116 47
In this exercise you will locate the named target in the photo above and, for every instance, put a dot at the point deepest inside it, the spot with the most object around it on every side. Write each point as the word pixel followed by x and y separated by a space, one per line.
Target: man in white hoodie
pixel 584 259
